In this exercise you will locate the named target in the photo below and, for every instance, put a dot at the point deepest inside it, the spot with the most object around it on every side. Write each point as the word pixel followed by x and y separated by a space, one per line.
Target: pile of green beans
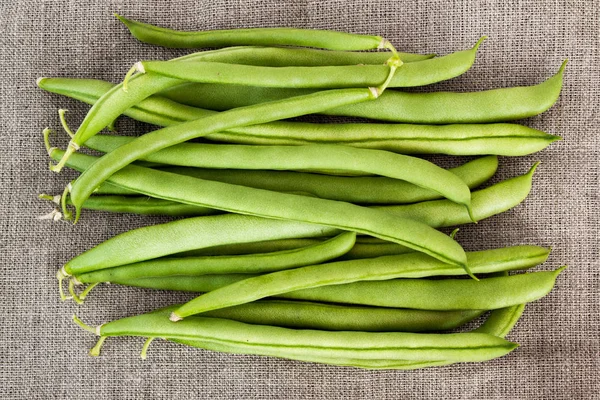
pixel 316 241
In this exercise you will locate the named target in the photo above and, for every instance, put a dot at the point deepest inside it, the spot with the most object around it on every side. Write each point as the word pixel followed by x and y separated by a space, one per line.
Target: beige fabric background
pixel 43 355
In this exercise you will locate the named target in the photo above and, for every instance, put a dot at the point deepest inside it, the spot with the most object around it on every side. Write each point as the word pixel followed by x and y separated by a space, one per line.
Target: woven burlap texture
pixel 44 355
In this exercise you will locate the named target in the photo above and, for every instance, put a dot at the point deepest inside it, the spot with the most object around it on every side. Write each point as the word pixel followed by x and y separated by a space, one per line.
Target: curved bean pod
pixel 447 294
pixel 418 73
pixel 500 139
pixel 360 250
pixel 186 234
pixel 417 171
pixel 411 265
pixel 289 343
pixel 324 39
pixel 143 206
pixel 246 264
pixel 502 321
pixel 160 139
pixel 363 190
pixel 480 262
pixel 336 214
pixel 494 105
pixel 485 203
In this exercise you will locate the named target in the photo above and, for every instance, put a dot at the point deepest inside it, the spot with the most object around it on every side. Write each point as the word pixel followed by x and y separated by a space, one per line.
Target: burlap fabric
pixel 44 355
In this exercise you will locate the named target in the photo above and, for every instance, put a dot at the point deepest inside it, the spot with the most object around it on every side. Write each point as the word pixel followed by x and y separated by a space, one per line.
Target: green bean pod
pixel 480 262
pixel 485 203
pixel 446 294
pixel 411 265
pixel 362 190
pixel 360 250
pixel 314 344
pixel 417 171
pixel 245 264
pixel 494 105
pixel 336 214
pixel 500 139
pixel 186 234
pixel 143 206
pixel 418 73
pixel 324 39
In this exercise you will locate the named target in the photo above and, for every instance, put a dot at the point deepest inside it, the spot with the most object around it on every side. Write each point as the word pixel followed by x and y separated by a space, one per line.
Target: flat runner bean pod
pixel 241 264
pixel 313 344
pixel 151 142
pixel 418 73
pixel 494 105
pixel 412 265
pixel 414 170
pixel 480 262
pixel 345 216
pixel 501 139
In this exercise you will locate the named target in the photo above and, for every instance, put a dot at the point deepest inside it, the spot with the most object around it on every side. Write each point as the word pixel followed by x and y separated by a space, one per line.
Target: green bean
pixel 471 107
pixel 417 171
pixel 181 235
pixel 501 321
pixel 324 39
pixel 313 344
pixel 501 139
pixel 364 190
pixel 446 294
pixel 324 77
pixel 154 141
pixel 480 262
pixel 411 265
pixel 360 250
pixel 341 215
pixel 485 203
pixel 246 264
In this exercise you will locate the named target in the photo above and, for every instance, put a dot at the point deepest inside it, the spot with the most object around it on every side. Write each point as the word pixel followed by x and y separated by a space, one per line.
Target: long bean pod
pixel 363 190
pixel 446 294
pixel 414 170
pixel 345 216
pixel 411 265
pixel 501 139
pixel 314 344
pixel 244 264
pixel 494 105
pixel 324 77
pixel 480 262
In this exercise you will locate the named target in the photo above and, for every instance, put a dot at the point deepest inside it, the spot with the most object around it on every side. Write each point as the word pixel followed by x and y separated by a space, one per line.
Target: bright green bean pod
pixel 500 139
pixel 186 234
pixel 485 203
pixel 480 262
pixel 501 321
pixel 363 190
pixel 223 196
pixel 246 264
pixel 446 294
pixel 324 77
pixel 411 265
pixel 360 250
pixel 290 343
pixel 324 39
pixel 494 105
pixel 417 171
pixel 160 139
